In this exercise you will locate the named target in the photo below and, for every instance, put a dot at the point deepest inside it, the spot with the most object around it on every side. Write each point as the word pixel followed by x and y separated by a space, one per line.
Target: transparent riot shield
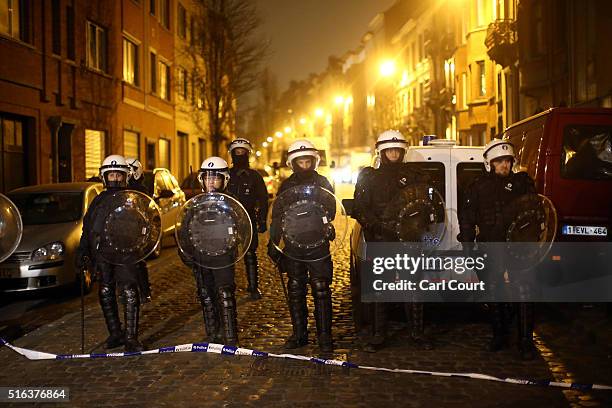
pixel 213 230
pixel 127 227
pixel 531 232
pixel 417 217
pixel 307 223
pixel 11 227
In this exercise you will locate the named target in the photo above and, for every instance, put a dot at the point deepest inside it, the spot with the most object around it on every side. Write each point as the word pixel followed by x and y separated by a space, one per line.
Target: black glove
pixel 330 232
pixel 82 261
pixel 261 228
pixel 274 254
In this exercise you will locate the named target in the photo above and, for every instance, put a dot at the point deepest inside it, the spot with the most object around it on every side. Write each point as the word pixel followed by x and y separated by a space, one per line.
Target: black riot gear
pixel 127 278
pixel 211 250
pixel 248 186
pixel 377 194
pixel 318 270
pixel 488 204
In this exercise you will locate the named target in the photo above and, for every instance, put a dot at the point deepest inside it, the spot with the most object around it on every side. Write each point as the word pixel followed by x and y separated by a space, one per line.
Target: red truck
pixel 568 152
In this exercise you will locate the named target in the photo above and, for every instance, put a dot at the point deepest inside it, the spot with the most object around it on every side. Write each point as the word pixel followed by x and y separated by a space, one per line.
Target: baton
pixel 82 279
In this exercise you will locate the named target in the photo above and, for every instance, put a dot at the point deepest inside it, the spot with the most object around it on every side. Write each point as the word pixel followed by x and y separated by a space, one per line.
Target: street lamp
pixel 339 100
pixel 258 153
pixel 265 144
pixel 278 134
pixel 302 121
pixel 318 112
pixel 387 68
pixel 269 139
pixel 287 129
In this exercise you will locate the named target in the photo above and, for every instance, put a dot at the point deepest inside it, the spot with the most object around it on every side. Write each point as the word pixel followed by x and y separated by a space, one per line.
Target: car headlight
pixel 49 252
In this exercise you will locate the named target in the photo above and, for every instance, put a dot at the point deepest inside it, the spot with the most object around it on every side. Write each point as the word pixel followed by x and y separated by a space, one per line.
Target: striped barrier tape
pixel 239 351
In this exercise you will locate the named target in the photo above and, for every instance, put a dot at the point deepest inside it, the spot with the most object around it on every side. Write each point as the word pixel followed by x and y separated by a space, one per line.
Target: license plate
pixel 7 272
pixel 585 230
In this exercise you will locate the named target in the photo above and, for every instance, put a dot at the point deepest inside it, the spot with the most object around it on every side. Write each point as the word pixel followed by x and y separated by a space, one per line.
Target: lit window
pixel 130 62
pixel 96 47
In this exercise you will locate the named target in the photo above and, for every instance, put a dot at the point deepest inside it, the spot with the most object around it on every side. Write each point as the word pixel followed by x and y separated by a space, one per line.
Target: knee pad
pixel 130 294
pixel 320 288
pixel 106 291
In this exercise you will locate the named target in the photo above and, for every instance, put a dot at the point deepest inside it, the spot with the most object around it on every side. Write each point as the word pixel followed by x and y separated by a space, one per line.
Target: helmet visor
pixel 212 181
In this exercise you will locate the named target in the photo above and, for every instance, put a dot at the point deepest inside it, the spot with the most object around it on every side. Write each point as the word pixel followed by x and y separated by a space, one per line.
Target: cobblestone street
pixel 186 379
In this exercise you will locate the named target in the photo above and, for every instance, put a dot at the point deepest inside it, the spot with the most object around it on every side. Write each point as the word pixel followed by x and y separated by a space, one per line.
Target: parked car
pixel 451 168
pixel 191 186
pixel 52 223
pixel 169 196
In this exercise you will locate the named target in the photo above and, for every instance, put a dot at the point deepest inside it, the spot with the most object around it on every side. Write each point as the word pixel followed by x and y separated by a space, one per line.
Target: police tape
pixel 215 348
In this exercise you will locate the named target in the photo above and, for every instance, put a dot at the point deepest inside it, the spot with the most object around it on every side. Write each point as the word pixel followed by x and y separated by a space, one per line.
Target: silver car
pixel 52 223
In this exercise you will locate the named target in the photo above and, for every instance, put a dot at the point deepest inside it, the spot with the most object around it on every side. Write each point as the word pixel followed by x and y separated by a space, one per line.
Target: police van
pixel 452 169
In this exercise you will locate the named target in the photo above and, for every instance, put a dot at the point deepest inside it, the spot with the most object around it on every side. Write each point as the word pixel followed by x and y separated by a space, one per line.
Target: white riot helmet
pixel 495 149
pixel 242 143
pixel 391 139
pixel 112 163
pixel 302 148
pixel 212 169
pixel 135 168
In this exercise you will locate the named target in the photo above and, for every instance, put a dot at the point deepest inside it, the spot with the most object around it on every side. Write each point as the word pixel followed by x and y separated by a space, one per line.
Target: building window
pixel 131 144
pixel 152 7
pixel 15 19
pixel 164 81
pixel 56 32
pixel 182 21
pixel 130 62
pixel 182 82
pixel 202 150
pixel 95 142
pixel 164 13
pixel 96 47
pixel 482 78
pixel 164 153
pixel 153 67
pixel 70 44
pixel 480 13
pixel 537 25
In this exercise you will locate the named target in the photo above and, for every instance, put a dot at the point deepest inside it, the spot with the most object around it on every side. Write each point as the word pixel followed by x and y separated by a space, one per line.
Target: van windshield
pixel 587 152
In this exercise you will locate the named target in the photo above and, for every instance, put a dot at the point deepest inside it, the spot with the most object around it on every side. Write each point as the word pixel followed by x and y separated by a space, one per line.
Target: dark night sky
pixel 304 33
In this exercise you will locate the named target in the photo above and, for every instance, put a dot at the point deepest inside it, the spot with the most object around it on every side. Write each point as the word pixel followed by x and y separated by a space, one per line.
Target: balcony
pixel 501 42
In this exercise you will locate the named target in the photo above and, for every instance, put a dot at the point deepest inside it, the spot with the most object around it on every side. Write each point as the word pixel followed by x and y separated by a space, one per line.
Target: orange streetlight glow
pixel 387 68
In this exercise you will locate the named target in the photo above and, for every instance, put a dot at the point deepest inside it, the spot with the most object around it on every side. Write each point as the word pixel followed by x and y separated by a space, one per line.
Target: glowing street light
pixel 302 121
pixel 387 68
pixel 265 144
pixel 287 129
pixel 269 139
pixel 258 153
pixel 318 112
pixel 339 100
pixel 278 134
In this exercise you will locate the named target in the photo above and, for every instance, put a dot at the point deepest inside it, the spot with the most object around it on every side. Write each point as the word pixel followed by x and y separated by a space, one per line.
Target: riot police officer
pixel 484 206
pixel 249 188
pixel 303 159
pixel 135 182
pixel 114 172
pixel 216 287
pixel 375 191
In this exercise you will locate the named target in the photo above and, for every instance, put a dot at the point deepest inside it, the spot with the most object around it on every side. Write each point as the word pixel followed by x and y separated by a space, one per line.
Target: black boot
pixel 378 327
pixel 498 341
pixel 525 321
pixel 229 316
pixel 250 262
pixel 211 315
pixel 132 309
pixel 296 290
pixel 417 332
pixel 323 314
pixel 108 303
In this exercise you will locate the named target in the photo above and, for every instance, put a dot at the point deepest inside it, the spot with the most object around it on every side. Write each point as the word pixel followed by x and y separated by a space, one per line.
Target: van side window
pixel 587 152
pixel 435 172
pixel 466 174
